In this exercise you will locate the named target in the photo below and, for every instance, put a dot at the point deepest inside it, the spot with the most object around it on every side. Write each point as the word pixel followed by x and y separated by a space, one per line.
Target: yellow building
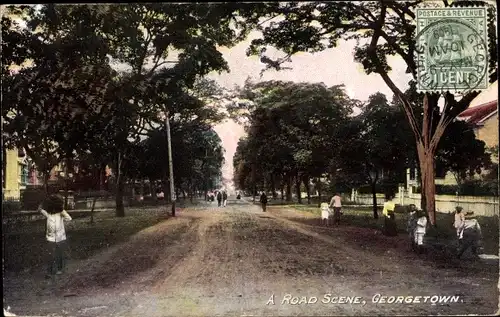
pixel 15 174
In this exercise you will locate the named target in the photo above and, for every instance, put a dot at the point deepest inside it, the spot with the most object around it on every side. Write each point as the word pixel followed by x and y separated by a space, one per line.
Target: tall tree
pixel 381 28
pixel 378 145
pixel 293 131
pixel 72 43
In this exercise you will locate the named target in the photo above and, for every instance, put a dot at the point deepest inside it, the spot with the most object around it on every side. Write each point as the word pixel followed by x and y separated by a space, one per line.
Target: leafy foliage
pixel 381 29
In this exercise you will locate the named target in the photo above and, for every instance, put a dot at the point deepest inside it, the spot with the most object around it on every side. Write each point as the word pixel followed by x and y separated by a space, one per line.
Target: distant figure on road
pixel 219 198
pixel 336 205
pixel 390 228
pixel 224 198
pixel 55 234
pixel 263 201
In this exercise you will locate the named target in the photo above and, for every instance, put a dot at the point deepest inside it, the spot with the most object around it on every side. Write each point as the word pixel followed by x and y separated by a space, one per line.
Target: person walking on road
pixel 336 205
pixel 219 198
pixel 55 234
pixel 263 201
pixel 224 198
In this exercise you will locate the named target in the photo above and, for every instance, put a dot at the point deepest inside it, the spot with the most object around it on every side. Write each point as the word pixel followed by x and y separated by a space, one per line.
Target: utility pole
pixel 170 163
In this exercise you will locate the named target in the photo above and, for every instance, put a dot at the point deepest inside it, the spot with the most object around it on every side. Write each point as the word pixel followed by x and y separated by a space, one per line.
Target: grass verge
pixel 363 217
pixel 25 245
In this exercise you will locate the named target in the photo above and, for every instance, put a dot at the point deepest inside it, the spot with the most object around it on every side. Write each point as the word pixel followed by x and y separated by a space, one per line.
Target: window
pixel 412 174
pixel 23 174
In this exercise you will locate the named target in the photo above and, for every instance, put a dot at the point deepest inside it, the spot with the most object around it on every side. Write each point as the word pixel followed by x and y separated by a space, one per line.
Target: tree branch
pixel 372 51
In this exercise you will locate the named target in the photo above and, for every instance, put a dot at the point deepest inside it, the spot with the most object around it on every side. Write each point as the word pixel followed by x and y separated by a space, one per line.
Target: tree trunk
pixel 191 192
pixel 66 180
pixel 289 188
pixel 92 210
pixel 308 189
pixel 273 185
pixel 374 195
pixel 318 188
pixel 120 184
pixel 297 188
pixel 102 176
pixel 46 176
pixel 141 189
pixel 152 189
pixel 282 192
pixel 428 188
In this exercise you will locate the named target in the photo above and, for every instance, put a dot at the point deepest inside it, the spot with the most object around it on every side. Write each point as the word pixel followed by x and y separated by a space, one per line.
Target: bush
pixel 473 188
pixel 31 198
pixel 11 206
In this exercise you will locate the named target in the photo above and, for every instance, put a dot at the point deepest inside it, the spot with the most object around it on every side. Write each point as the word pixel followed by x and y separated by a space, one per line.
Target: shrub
pixel 11 206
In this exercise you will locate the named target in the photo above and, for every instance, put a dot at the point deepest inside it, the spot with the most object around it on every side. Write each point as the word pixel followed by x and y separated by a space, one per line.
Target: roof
pixel 478 114
pixel 486 96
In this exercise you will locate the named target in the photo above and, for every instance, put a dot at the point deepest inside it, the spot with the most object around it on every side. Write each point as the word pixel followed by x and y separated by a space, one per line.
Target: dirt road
pixel 234 260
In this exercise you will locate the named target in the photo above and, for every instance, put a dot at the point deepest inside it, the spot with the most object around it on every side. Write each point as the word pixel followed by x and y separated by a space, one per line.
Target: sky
pixel 332 66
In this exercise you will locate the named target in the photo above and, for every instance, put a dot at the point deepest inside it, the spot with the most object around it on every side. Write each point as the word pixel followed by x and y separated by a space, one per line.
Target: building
pixel 484 120
pixel 16 174
pixel 482 114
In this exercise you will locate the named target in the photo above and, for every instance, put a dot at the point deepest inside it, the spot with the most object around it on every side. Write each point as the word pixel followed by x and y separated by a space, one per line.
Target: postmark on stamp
pixel 451 50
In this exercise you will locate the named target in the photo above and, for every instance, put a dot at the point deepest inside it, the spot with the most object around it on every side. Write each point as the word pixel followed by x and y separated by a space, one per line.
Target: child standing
pixel 459 223
pixel 55 232
pixel 325 213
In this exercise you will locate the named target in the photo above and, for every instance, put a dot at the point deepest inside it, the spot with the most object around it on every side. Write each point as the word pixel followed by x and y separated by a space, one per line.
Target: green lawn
pixel 24 244
pixel 363 217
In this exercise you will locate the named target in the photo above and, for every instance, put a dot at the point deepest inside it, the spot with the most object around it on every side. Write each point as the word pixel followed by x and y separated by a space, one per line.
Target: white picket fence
pixel 481 206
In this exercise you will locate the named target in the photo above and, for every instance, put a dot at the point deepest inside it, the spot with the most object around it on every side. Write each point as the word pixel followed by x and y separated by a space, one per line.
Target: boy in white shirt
pixel 55 232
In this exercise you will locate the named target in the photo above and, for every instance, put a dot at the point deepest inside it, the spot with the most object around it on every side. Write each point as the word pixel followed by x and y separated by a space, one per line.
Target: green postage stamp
pixel 452 49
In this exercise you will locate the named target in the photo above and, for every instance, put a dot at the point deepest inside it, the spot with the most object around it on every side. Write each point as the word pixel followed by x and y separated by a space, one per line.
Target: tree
pixel 292 134
pixel 65 40
pixel 376 145
pixel 49 103
pixel 381 28
pixel 461 153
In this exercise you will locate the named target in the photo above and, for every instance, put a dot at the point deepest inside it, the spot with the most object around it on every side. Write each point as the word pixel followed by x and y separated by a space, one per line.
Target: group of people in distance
pixel 220 195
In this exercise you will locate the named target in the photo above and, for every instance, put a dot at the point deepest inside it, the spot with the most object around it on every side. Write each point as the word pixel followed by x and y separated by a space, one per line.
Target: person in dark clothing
pixel 219 198
pixel 470 238
pixel 224 198
pixel 263 201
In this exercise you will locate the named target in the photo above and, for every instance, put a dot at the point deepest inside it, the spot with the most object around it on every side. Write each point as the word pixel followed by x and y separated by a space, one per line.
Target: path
pixel 230 261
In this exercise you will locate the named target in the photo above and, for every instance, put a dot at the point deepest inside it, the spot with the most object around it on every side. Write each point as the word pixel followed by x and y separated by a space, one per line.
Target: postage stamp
pixel 451 50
